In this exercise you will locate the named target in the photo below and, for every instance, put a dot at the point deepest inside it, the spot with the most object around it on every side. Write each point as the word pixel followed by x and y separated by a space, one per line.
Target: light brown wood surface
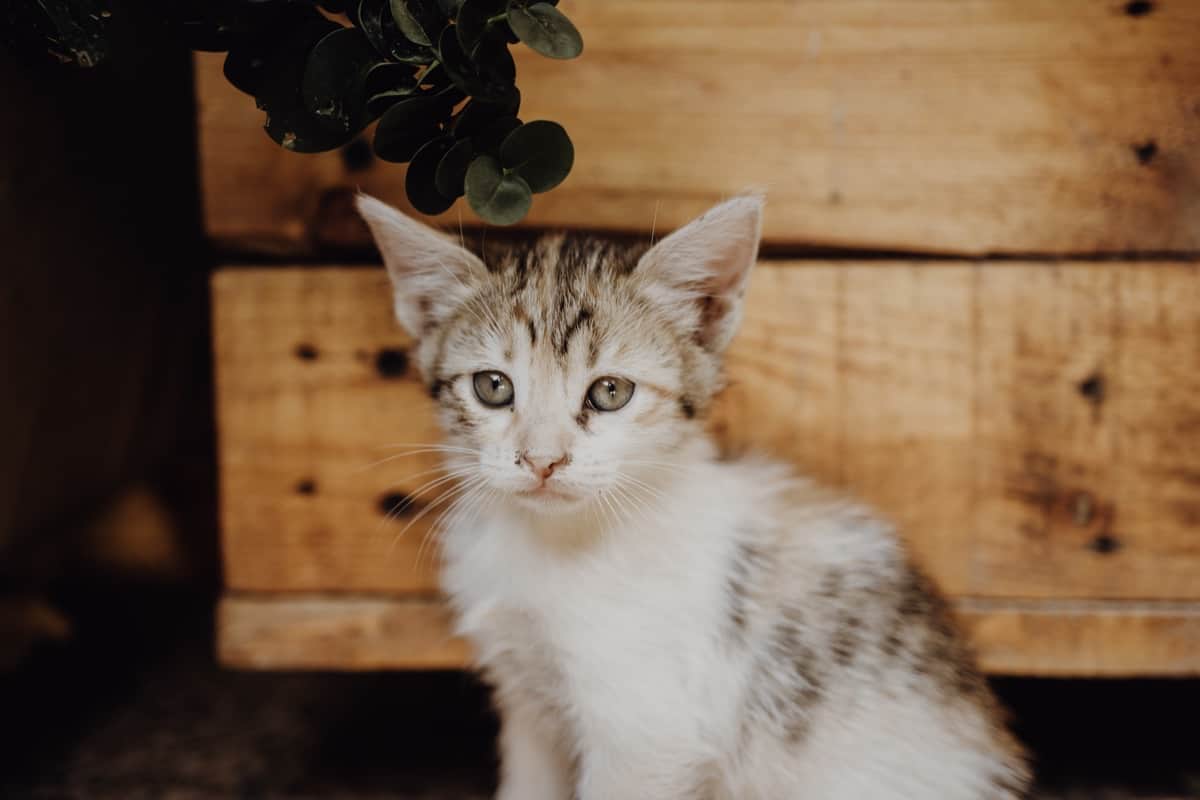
pixel 369 633
pixel 968 126
pixel 953 396
pixel 342 633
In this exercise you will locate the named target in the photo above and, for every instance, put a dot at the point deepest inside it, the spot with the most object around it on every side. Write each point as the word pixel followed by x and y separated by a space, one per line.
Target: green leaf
pixel 409 124
pixel 489 137
pixel 374 17
pixel 496 197
pixel 477 114
pixel 387 83
pixel 289 121
pixel 472 21
pixel 334 83
pixel 540 152
pixel 452 169
pixel 420 21
pixel 545 29
pixel 488 74
pixel 244 68
pixel 420 183
pixel 388 76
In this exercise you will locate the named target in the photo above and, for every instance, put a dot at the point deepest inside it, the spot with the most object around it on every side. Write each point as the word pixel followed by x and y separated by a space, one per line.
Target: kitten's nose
pixel 543 466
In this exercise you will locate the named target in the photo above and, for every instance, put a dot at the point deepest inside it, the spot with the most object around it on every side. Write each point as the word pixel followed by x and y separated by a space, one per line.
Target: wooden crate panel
pixel 928 125
pixel 1031 427
pixel 368 633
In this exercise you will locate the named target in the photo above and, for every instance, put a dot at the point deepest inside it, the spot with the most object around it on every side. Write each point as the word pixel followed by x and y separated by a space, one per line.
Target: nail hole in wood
pixel 1105 544
pixel 1146 151
pixel 391 362
pixel 306 352
pixel 1139 8
pixel 396 504
pixel 1092 388
pixel 307 486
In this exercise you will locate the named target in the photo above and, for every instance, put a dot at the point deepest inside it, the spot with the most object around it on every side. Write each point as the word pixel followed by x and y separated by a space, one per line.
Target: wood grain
pixel 341 633
pixel 953 396
pixel 370 633
pixel 1015 126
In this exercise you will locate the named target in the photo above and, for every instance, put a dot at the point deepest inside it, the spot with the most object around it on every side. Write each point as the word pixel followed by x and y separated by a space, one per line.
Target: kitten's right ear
pixel 431 274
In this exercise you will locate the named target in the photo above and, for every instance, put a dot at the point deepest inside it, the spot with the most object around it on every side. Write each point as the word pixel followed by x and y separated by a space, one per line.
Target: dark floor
pixel 142 712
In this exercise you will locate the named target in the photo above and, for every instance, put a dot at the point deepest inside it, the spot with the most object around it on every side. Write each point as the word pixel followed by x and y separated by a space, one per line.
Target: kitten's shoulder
pixel 810 522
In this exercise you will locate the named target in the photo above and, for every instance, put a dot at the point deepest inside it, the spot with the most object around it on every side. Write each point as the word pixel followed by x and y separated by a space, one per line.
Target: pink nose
pixel 543 466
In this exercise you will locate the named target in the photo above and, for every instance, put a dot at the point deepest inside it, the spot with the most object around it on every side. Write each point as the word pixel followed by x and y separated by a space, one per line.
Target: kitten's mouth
pixel 546 493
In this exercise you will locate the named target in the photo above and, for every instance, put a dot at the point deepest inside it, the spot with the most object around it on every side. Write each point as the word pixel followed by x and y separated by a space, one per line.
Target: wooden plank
pixel 1046 465
pixel 1088 411
pixel 339 633
pixel 306 419
pixel 370 633
pixel 1089 639
pixel 923 388
pixel 924 125
pixel 904 368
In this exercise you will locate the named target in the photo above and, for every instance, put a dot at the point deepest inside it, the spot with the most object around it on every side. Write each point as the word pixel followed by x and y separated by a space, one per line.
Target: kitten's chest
pixel 567 630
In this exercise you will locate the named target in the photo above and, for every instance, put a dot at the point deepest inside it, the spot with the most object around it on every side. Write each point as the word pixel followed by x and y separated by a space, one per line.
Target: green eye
pixel 609 394
pixel 493 388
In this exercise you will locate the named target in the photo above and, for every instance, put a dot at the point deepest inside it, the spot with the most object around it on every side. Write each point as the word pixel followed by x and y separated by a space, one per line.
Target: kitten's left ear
pixel 706 264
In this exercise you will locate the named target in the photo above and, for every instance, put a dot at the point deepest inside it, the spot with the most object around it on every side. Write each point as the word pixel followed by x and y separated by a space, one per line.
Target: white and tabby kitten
pixel 660 624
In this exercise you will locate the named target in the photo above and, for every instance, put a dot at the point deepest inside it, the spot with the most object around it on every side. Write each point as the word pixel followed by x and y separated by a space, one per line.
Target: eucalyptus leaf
pixel 477 114
pixel 490 136
pixel 389 76
pixel 420 183
pixel 488 74
pixel 334 83
pixel 472 20
pixel 289 121
pixel 388 83
pixel 244 67
pixel 545 29
pixel 408 125
pixel 77 29
pixel 379 103
pixel 375 19
pixel 499 198
pixel 540 152
pixel 452 169
pixel 421 21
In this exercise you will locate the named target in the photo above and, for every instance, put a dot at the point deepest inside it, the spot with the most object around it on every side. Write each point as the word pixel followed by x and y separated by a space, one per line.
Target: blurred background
pixel 979 308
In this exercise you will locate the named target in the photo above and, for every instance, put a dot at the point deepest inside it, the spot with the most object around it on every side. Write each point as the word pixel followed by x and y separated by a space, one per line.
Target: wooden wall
pixel 1031 427
pixel 1031 420
pixel 954 126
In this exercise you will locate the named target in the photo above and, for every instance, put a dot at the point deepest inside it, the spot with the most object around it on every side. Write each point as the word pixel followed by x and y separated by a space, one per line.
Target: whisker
pixel 435 445
pixel 411 497
pixel 407 454
pixel 473 490
pixel 470 483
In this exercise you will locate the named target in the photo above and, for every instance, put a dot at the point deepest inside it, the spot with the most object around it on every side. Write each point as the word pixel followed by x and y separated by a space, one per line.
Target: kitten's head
pixel 573 366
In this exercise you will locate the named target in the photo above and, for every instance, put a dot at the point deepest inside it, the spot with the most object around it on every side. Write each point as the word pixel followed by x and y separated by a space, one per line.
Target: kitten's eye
pixel 493 388
pixel 609 394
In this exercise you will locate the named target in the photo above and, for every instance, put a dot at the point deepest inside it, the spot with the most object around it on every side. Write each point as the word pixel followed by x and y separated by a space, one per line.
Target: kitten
pixel 657 623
